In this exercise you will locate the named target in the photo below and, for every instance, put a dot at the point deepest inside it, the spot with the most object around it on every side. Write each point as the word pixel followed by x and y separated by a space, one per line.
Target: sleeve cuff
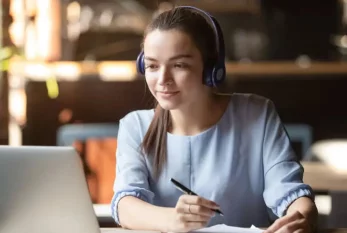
pixel 118 196
pixel 283 204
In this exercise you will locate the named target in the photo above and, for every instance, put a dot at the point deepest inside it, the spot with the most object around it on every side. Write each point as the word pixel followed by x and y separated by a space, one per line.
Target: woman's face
pixel 174 68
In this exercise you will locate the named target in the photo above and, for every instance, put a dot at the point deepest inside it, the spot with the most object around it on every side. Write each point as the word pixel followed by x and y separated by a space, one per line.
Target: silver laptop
pixel 44 190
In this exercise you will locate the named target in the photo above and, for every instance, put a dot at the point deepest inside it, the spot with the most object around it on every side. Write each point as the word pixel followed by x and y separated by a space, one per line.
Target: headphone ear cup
pixel 218 74
pixel 207 76
pixel 140 63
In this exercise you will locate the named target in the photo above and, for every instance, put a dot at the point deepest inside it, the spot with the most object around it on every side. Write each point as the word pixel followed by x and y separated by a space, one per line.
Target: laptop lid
pixel 43 189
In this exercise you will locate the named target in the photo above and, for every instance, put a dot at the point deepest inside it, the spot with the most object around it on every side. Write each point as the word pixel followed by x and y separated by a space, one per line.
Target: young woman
pixel 232 151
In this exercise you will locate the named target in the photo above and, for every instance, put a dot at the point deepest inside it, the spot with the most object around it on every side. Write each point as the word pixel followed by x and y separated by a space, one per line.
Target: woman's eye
pixel 151 66
pixel 181 65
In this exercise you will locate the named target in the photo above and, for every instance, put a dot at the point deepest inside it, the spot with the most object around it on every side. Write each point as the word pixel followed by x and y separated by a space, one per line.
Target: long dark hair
pixel 195 25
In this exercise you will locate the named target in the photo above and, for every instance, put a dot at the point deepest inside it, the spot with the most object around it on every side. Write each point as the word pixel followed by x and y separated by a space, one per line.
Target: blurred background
pixel 68 75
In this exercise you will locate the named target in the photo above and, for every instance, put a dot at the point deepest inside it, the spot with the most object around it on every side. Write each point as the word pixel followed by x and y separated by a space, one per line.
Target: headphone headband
pixel 212 75
pixel 216 28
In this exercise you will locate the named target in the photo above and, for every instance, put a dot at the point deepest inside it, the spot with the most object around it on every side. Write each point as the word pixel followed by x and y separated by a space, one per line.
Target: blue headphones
pixel 213 74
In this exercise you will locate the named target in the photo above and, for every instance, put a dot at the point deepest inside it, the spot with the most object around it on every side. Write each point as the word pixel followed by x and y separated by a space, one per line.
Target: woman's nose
pixel 164 76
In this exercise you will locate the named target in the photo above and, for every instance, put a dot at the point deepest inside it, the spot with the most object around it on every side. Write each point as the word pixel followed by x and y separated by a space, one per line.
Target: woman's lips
pixel 167 94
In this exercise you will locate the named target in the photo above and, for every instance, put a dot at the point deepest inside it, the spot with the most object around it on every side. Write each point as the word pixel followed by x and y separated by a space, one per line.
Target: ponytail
pixel 154 142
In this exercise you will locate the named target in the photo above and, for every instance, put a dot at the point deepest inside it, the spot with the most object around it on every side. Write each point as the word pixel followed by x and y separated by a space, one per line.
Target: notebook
pixel 222 228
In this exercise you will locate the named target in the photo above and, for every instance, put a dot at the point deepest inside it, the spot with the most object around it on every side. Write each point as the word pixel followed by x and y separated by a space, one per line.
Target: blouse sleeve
pixel 131 170
pixel 282 171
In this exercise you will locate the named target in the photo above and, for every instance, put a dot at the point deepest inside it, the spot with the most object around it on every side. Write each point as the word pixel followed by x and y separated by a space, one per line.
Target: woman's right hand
pixel 191 213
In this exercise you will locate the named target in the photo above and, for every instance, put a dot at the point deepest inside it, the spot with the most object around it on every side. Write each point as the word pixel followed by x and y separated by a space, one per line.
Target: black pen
pixel 186 190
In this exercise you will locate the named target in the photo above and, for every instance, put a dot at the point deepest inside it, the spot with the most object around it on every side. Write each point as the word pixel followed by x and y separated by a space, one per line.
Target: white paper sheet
pixel 222 228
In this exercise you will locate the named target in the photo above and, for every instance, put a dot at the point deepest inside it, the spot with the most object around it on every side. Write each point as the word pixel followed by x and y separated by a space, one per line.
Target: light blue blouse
pixel 244 163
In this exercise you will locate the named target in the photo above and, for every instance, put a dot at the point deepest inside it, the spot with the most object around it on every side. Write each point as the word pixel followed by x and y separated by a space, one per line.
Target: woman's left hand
pixel 292 223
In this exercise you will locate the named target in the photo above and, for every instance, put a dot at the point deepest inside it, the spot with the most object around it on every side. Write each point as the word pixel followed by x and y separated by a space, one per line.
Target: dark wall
pixel 318 101
pixel 4 114
pixel 304 27
pixel 89 101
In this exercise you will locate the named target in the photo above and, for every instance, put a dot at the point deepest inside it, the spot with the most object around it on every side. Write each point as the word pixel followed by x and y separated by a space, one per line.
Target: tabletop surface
pixel 323 177
pixel 120 230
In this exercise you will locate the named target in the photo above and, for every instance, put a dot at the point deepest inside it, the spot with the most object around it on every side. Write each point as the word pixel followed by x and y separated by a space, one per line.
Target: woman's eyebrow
pixel 180 56
pixel 171 58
